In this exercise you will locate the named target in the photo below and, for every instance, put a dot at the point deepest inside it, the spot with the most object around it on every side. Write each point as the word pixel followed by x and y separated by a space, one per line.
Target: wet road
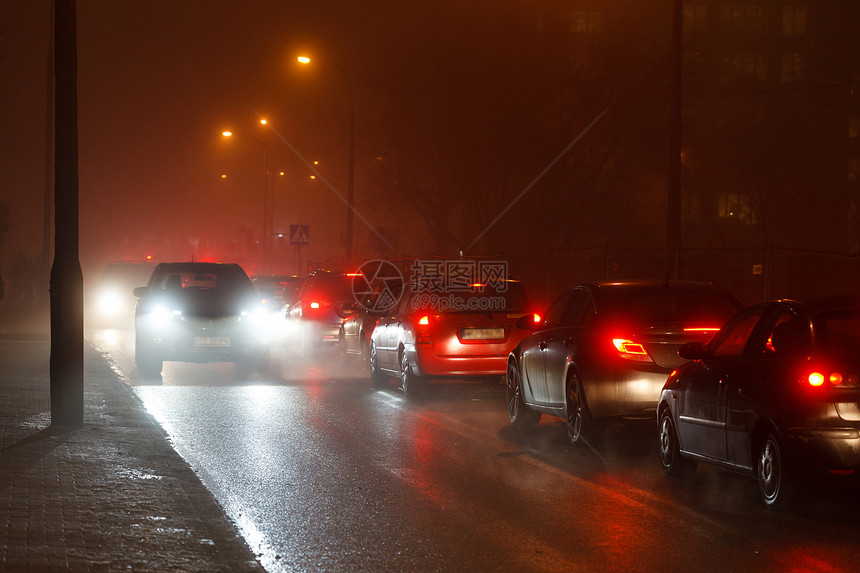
pixel 321 472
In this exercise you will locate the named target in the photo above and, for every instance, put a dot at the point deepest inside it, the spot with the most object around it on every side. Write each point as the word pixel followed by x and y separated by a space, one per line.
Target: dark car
pixel 316 312
pixel 776 393
pixel 277 292
pixel 199 312
pixel 112 301
pixel 467 334
pixel 605 350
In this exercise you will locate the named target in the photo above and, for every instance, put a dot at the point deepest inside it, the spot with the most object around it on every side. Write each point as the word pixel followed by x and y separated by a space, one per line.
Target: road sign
pixel 300 234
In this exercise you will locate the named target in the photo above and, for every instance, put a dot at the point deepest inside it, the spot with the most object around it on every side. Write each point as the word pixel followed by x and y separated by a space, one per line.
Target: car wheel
pixel 148 363
pixel 773 485
pixel 670 448
pixel 520 415
pixel 411 384
pixel 581 427
pixel 377 378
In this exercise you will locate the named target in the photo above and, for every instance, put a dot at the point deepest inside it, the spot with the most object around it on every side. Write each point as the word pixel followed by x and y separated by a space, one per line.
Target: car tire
pixel 581 426
pixel 377 378
pixel 521 416
pixel 674 464
pixel 410 384
pixel 148 363
pixel 774 484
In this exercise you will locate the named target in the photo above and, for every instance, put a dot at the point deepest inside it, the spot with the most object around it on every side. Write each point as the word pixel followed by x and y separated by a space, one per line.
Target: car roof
pixel 199 267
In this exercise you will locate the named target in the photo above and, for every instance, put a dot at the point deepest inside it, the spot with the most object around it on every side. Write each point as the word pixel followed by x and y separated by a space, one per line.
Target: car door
pixel 533 357
pixel 560 343
pixel 704 387
pixel 755 386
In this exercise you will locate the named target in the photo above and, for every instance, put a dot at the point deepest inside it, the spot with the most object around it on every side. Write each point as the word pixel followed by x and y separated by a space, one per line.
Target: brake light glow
pixel 354 274
pixel 422 333
pixel 315 304
pixel 536 318
pixel 816 379
pixel 631 350
pixel 478 285
pixel 702 329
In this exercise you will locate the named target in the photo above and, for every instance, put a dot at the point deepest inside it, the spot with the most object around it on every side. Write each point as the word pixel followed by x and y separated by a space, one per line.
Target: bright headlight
pixel 161 315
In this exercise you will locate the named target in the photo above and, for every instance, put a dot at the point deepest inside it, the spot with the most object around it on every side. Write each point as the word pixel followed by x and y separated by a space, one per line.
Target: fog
pixel 475 132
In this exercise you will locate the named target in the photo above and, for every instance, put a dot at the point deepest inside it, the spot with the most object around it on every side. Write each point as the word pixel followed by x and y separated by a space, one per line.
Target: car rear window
pixel 508 298
pixel 676 306
pixel 842 336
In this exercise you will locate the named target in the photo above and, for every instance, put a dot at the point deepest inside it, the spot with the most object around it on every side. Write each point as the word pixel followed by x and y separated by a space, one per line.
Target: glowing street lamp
pixel 350 191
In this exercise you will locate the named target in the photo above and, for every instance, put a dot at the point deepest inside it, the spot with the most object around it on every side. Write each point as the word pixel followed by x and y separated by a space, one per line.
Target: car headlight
pixel 110 302
pixel 161 315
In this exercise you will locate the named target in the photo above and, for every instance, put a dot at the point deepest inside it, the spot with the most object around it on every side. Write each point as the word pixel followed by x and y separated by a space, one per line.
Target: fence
pixel 751 274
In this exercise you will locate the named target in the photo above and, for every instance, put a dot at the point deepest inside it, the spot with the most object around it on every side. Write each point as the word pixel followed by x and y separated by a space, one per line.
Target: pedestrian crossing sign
pixel 300 234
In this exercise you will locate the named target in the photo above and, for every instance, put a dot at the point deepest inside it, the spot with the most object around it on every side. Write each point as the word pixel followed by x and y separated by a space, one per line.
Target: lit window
pixel 791 67
pixel 695 18
pixel 736 206
pixel 582 22
pixel 793 20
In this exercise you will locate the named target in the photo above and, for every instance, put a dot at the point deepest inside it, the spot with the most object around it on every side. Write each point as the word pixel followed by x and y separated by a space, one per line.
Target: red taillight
pixel 817 379
pixel 631 350
pixel 422 333
pixel 315 304
pixel 536 318
pixel 354 274
pixel 708 329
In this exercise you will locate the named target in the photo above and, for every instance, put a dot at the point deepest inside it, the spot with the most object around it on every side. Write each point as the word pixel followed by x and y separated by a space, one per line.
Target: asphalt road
pixel 321 472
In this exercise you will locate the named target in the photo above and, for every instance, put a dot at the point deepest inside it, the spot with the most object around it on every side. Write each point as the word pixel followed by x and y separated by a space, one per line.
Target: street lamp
pixel 350 190
pixel 267 211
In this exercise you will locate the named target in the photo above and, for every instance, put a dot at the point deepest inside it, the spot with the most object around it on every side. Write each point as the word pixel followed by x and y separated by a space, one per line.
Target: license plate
pixel 483 334
pixel 212 341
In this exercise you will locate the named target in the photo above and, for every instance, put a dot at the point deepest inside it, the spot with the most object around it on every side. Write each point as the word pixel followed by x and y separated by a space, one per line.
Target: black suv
pixel 199 312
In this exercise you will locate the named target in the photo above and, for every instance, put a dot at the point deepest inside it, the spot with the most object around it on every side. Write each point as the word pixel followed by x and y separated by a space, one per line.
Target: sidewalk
pixel 110 496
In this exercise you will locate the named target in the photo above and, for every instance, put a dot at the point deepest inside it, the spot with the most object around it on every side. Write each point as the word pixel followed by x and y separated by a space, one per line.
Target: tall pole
pixel 673 207
pixel 67 301
pixel 48 196
pixel 350 189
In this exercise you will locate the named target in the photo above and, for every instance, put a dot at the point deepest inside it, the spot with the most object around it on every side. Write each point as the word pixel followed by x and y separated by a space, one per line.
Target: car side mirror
pixel 344 309
pixel 692 351
pixel 140 292
pixel 527 322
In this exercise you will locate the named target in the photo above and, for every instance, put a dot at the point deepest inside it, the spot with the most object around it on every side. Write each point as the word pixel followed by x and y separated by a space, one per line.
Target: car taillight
pixel 631 350
pixel 819 378
pixel 536 318
pixel 707 329
pixel 422 332
pixel 315 304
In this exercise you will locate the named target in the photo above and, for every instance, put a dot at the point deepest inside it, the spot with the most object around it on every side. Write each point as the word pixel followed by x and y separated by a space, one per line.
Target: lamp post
pixel 267 210
pixel 350 190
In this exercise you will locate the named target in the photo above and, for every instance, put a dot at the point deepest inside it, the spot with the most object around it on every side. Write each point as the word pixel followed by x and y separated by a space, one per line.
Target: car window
pixel 581 309
pixel 733 337
pixel 557 309
pixel 782 334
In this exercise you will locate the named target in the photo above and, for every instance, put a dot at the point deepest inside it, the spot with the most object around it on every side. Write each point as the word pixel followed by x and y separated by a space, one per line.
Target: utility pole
pixel 67 300
pixel 673 206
